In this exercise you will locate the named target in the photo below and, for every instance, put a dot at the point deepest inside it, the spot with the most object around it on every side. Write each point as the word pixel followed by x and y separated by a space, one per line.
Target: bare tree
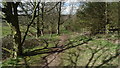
pixel 12 18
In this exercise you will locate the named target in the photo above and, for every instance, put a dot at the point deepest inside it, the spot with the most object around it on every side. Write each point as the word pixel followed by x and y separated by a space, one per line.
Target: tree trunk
pixel 17 36
pixel 12 18
pixel 38 25
pixel 59 17
pixel 42 22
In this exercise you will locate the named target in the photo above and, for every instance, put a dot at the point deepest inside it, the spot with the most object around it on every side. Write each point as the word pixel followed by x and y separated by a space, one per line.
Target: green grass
pixel 0 31
pixel 85 52
pixel 65 31
pixel 6 30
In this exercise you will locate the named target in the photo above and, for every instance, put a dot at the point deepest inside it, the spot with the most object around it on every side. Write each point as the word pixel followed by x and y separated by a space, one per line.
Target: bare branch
pixel 52 7
pixel 34 13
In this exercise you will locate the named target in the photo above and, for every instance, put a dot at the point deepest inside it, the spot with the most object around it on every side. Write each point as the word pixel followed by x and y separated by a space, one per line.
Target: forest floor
pixel 55 59
pixel 84 52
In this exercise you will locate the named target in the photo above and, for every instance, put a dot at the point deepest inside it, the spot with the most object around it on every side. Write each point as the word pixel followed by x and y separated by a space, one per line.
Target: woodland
pixel 41 34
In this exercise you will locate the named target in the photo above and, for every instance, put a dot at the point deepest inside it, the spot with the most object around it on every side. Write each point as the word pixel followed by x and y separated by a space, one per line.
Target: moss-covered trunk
pixel 17 35
pixel 12 18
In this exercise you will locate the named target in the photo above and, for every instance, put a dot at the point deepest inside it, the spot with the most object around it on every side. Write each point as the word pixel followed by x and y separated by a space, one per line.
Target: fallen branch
pixel 48 50
pixel 8 50
pixel 109 59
